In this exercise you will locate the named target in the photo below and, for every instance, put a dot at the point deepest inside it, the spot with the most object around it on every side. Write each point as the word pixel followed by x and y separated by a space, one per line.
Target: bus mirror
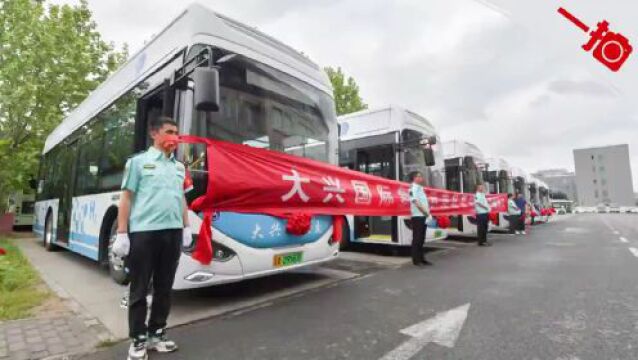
pixel 206 97
pixel 33 184
pixel 428 156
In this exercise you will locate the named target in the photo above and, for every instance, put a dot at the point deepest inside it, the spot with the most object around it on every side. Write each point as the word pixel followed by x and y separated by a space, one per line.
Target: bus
pixel 544 201
pixel 543 194
pixel 534 199
pixel 218 79
pixel 464 168
pixel 387 142
pixel 520 180
pixel 498 177
pixel 22 206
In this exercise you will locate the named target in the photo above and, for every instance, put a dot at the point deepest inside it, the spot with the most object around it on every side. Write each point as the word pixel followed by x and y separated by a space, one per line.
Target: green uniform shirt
pixel 418 194
pixel 479 198
pixel 157 186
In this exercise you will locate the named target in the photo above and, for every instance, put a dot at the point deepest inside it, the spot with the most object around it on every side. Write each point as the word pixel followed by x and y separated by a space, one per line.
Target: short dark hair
pixel 509 195
pixel 157 124
pixel 413 175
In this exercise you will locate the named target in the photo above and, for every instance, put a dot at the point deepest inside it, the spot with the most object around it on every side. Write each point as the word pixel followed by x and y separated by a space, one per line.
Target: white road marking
pixel 634 251
pixel 624 240
pixel 616 232
pixel 444 329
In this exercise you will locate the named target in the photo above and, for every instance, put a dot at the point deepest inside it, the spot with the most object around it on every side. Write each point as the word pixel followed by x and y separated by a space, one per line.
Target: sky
pixel 509 76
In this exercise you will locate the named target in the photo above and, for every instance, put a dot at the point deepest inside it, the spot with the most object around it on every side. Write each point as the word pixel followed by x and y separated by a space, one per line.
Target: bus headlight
pixel 221 252
pixel 199 276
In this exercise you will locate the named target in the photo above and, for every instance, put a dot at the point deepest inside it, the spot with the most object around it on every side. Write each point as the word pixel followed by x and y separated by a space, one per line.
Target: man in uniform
pixel 482 208
pixel 514 213
pixel 522 205
pixel 420 210
pixel 153 213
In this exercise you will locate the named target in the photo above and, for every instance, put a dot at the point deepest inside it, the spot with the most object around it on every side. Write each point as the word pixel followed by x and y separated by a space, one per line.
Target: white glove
pixel 187 237
pixel 121 245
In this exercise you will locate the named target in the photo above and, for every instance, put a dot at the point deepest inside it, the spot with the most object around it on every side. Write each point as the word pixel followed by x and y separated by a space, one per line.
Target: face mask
pixel 169 141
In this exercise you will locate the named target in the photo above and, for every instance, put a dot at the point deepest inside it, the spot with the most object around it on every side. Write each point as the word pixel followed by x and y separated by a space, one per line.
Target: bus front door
pixel 65 206
pixel 379 161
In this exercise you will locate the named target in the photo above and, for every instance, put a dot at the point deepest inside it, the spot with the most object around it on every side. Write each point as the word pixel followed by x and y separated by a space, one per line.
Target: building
pixel 603 176
pixel 559 181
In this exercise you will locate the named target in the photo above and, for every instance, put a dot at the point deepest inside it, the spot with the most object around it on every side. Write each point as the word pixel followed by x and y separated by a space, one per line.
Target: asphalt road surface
pixel 566 291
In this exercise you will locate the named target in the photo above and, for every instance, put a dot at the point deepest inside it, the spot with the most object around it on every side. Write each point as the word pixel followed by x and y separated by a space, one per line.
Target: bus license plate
pixel 287 259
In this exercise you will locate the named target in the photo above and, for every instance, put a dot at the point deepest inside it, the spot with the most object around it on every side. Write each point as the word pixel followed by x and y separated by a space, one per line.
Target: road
pixel 566 291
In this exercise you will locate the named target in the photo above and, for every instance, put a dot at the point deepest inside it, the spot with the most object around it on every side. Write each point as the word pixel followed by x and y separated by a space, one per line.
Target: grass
pixel 106 343
pixel 20 285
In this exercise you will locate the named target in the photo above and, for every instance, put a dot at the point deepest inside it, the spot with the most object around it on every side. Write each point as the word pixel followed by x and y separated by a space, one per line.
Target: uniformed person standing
pixel 514 213
pixel 153 214
pixel 420 210
pixel 482 208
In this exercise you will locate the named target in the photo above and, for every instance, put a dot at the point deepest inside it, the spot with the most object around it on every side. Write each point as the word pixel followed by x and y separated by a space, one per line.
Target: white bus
pixel 22 206
pixel 498 177
pixel 464 167
pixel 520 180
pixel 218 79
pixel 534 198
pixel 544 201
pixel 386 142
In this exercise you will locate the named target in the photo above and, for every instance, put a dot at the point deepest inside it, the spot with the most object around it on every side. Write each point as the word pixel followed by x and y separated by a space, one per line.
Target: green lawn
pixel 20 285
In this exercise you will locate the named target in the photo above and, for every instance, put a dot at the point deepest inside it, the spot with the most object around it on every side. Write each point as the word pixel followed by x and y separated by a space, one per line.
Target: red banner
pixel 252 180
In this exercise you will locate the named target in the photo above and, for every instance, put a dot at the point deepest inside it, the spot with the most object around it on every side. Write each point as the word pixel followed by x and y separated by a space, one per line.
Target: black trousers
pixel 481 224
pixel 154 255
pixel 521 223
pixel 513 220
pixel 418 238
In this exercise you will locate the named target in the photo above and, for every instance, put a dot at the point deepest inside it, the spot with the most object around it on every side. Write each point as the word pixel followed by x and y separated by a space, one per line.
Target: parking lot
pixel 564 291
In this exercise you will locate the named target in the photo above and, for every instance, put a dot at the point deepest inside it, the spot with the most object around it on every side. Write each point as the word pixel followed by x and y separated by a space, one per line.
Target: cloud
pixel 590 88
pixel 509 76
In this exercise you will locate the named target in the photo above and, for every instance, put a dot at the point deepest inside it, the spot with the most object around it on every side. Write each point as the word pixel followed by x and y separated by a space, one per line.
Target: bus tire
pixel 117 267
pixel 345 236
pixel 48 235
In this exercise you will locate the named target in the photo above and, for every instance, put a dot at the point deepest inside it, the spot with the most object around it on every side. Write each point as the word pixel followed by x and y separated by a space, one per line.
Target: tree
pixel 346 92
pixel 50 59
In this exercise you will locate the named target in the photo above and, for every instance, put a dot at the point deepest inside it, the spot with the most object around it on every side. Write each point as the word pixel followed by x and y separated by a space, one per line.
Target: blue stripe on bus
pixel 85 238
pixel 38 229
pixel 83 250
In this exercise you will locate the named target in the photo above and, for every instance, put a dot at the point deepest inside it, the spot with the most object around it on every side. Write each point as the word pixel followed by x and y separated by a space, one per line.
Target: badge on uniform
pixel 149 166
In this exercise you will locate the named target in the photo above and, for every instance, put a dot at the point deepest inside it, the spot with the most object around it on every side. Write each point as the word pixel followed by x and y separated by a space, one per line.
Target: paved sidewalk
pixel 52 337
pixel 61 327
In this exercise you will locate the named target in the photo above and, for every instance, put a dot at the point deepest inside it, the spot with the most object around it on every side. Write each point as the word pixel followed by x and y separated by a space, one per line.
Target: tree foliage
pixel 51 57
pixel 346 92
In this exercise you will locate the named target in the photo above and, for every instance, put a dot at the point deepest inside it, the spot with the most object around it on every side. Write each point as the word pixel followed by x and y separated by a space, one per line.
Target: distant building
pixel 603 176
pixel 559 180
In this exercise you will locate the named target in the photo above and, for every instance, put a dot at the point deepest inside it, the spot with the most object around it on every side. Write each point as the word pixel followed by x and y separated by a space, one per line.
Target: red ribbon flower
pixel 493 216
pixel 443 222
pixel 298 224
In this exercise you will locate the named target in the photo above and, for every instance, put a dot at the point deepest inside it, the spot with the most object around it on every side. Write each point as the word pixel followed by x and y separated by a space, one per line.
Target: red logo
pixel 610 48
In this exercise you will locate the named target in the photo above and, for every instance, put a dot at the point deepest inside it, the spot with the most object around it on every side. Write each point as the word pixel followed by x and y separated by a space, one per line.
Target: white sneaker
pixel 137 350
pixel 523 232
pixel 158 342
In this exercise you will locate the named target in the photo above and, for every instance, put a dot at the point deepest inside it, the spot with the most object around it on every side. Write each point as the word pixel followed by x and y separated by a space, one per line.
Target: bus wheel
pixel 117 268
pixel 47 239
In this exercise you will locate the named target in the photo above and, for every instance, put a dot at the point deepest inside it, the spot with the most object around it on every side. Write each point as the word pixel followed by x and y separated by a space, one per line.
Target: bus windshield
pixel 263 107
pixel 505 183
pixel 472 175
pixel 412 159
